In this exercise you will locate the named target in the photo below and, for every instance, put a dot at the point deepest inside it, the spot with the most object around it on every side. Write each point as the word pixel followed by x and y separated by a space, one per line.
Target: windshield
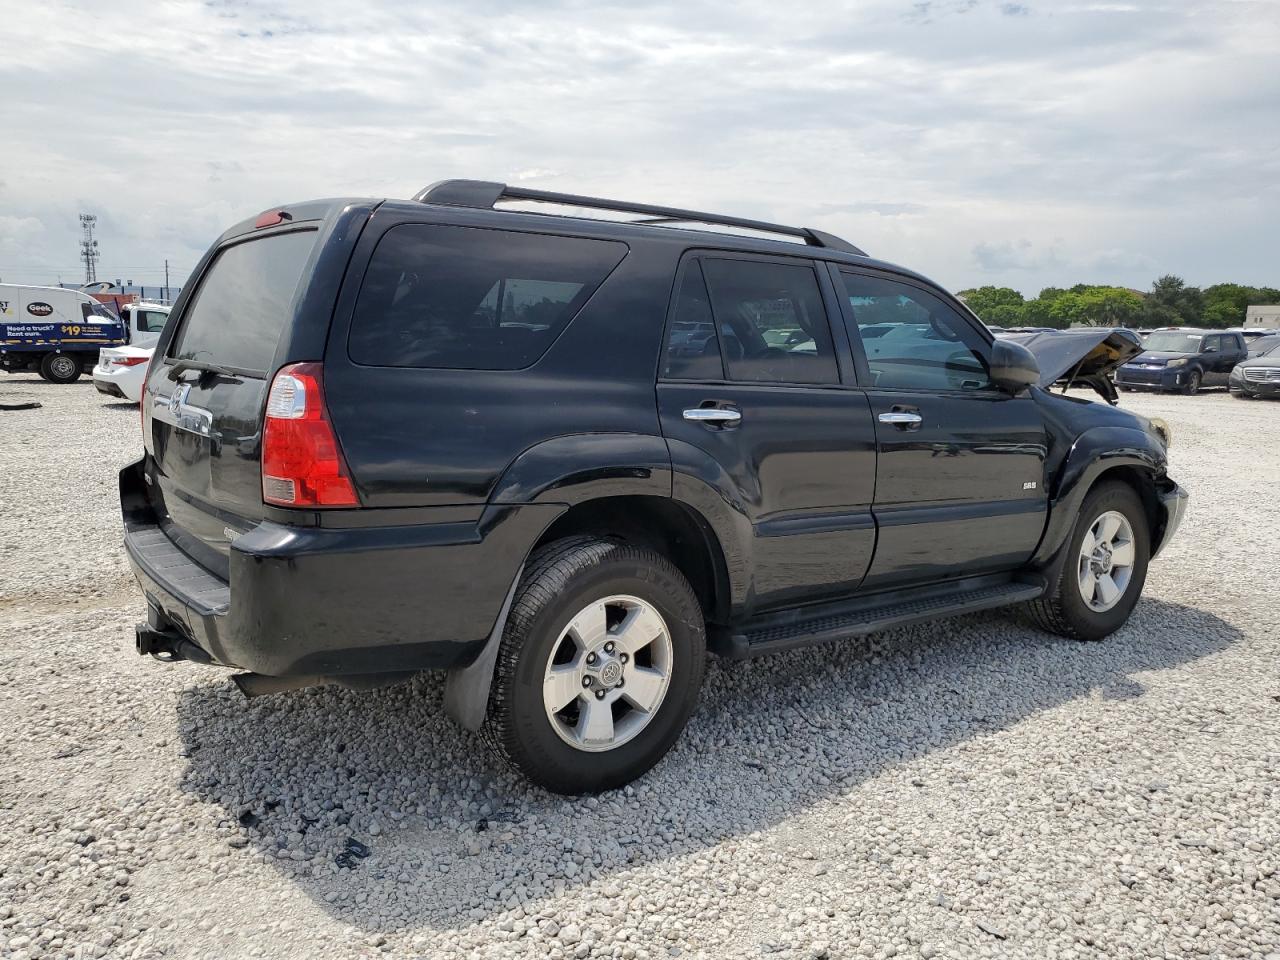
pixel 1265 347
pixel 1173 341
pixel 99 310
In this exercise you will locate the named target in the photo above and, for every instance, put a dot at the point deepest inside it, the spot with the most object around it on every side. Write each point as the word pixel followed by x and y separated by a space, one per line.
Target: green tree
pixel 1039 313
pixel 998 306
pixel 1172 303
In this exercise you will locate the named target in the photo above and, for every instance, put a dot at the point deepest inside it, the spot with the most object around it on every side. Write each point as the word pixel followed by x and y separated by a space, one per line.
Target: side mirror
pixel 1013 366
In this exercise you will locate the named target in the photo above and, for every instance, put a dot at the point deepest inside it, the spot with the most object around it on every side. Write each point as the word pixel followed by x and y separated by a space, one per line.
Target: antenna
pixel 89 248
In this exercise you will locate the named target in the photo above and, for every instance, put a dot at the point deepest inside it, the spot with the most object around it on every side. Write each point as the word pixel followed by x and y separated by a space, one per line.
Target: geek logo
pixel 38 308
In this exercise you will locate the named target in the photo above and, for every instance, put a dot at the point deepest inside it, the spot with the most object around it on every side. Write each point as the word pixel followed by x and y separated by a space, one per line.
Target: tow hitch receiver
pixel 167 646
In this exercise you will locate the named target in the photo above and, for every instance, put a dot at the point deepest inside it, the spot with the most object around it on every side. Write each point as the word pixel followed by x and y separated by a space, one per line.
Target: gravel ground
pixel 971 788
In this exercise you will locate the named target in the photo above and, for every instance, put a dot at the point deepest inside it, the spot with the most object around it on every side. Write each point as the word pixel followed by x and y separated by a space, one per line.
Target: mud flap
pixel 466 689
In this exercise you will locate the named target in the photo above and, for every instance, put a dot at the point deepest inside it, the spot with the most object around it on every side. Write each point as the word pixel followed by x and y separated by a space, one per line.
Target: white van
pixel 54 331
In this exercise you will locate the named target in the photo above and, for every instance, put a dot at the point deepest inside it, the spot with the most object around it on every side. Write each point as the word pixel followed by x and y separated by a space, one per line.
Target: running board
pixel 801 628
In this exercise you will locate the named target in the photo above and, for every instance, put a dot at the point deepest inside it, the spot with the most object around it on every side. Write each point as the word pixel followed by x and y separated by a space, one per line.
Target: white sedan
pixel 121 370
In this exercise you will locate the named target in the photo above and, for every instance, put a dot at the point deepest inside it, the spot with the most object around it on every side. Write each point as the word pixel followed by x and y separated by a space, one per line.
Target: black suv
pixel 560 458
pixel 1183 360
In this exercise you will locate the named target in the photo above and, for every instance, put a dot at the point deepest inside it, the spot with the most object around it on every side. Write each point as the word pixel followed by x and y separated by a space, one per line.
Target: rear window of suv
pixel 470 298
pixel 242 305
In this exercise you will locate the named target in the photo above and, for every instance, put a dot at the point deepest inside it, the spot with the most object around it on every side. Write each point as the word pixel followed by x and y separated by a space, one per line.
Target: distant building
pixel 129 292
pixel 1263 315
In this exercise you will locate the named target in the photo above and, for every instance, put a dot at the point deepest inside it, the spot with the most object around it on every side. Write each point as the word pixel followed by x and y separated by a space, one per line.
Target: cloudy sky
pixel 1021 143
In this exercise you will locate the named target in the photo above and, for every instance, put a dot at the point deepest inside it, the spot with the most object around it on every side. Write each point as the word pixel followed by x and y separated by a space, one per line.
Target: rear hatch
pixel 203 412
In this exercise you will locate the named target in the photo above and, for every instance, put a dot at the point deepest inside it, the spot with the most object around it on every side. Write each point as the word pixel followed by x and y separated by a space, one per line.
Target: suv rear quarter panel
pixel 417 437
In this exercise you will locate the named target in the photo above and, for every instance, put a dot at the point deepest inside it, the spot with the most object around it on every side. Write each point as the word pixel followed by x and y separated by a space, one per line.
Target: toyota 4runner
pixel 561 458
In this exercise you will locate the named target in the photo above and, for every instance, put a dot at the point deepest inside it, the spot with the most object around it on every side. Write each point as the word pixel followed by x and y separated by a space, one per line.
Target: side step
pixel 800 628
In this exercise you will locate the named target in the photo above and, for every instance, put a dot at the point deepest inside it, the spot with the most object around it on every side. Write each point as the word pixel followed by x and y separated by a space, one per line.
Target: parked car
pixel 1259 375
pixel 1182 360
pixel 121 370
pixel 366 457
pixel 1263 345
pixel 54 331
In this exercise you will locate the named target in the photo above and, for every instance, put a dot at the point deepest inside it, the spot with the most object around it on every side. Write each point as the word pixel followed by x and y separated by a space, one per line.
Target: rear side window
pixel 693 352
pixel 236 316
pixel 771 321
pixel 472 299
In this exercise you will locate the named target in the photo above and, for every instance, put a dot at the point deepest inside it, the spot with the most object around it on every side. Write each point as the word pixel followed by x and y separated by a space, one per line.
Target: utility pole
pixel 89 248
pixel 166 280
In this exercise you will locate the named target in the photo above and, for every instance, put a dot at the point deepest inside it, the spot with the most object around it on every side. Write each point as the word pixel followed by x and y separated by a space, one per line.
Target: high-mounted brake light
pixel 269 218
pixel 302 464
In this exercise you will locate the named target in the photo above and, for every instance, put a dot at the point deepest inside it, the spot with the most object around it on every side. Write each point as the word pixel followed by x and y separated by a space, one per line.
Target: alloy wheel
pixel 1106 561
pixel 608 673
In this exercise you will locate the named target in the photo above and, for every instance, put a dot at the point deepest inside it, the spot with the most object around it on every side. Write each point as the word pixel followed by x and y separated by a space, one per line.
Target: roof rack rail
pixel 485 193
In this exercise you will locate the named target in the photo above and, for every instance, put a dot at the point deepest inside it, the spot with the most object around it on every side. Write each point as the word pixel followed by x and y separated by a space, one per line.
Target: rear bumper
pixel 334 601
pixel 109 388
pixel 1173 502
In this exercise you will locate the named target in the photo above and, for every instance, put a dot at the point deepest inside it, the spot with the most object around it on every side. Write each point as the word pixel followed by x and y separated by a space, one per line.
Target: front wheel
pixel 60 368
pixel 1192 386
pixel 1104 569
pixel 599 666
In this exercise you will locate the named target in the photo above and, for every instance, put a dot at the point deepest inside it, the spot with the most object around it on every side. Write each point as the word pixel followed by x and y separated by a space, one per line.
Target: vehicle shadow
pixel 401 821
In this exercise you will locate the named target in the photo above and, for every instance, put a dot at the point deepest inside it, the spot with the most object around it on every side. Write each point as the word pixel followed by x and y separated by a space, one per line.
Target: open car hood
pixel 1081 356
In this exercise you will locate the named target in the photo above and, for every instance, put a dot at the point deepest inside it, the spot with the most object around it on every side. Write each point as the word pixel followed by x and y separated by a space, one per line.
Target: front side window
pixel 472 299
pixel 913 340
pixel 771 321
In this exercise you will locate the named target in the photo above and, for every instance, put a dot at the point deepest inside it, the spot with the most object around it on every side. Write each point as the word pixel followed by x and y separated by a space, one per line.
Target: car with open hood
pixel 1183 361
pixel 560 458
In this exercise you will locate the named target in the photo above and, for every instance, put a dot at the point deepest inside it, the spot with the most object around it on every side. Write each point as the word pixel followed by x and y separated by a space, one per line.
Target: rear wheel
pixel 1104 569
pixel 599 668
pixel 60 368
pixel 1192 386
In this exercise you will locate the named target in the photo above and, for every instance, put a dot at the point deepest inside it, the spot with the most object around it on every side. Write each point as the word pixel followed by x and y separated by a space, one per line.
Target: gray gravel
pixel 969 789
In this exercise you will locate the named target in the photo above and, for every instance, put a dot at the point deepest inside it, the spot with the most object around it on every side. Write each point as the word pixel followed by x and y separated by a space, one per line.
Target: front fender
pixel 1094 452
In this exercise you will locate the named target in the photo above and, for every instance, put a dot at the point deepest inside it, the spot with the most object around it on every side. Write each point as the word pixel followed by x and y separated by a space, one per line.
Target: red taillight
pixel 128 361
pixel 302 464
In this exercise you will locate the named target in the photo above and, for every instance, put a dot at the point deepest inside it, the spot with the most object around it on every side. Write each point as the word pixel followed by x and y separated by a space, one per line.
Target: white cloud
pixel 1116 140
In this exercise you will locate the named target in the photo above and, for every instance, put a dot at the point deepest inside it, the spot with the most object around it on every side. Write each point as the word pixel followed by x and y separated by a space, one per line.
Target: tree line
pixel 1170 303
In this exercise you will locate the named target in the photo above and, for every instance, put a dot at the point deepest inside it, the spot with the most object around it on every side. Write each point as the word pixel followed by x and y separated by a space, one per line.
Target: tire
pixel 1192 386
pixel 564 584
pixel 1063 609
pixel 60 368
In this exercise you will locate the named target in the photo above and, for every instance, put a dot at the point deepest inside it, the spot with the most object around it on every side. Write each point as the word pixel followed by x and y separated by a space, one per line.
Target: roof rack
pixel 484 194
